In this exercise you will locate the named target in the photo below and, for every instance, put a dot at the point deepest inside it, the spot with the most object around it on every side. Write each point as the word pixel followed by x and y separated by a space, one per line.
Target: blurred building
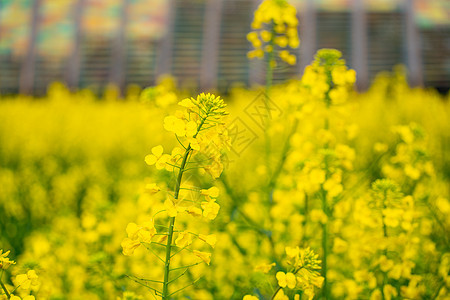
pixel 90 43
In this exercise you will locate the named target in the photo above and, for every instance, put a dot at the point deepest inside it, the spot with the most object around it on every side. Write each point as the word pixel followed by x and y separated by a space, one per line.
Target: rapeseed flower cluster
pixel 328 77
pixel 85 191
pixel 360 178
pixel 200 131
pixel 5 262
pixel 25 285
pixel 301 277
pixel 275 26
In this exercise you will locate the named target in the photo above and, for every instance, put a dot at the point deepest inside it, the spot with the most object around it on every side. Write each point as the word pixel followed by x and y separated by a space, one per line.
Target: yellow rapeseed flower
pixel 184 239
pixel 286 279
pixel 205 256
pixel 210 239
pixel 157 157
pixel 26 281
pixel 212 192
pixel 210 209
pixel 265 268
pixel 5 262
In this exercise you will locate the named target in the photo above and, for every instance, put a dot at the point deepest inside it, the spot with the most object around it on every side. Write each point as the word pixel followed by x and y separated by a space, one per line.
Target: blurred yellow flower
pixel 210 209
pixel 286 279
pixel 5 262
pixel 26 281
pixel 210 239
pixel 205 256
pixel 184 239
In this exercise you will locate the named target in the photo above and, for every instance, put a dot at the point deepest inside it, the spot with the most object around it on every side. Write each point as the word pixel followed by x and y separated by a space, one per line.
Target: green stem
pixel 438 220
pixel 276 292
pixel 269 79
pixel 183 267
pixel 167 261
pixel 305 220
pixel 165 293
pixel 5 289
pixel 325 244
pixel 270 59
pixel 269 71
pixel 385 234
pixel 438 290
pixel 284 155
pixel 238 200
pixel 327 210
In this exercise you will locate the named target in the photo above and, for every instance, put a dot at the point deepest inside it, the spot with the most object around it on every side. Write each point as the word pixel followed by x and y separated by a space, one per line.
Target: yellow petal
pixel 281 277
pixel 158 150
pixel 129 245
pixel 151 159
pixel 205 256
pixel 132 230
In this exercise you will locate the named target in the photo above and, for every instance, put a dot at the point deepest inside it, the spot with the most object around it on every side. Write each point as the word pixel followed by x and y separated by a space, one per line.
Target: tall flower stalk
pixel 274 31
pixel 328 82
pixel 165 293
pixel 201 133
pixel 207 114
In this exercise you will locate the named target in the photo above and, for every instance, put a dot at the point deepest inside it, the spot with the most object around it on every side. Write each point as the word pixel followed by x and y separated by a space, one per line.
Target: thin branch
pixel 175 166
pixel 188 266
pixel 151 250
pixel 178 251
pixel 143 279
pixel 438 290
pixel 284 155
pixel 179 290
pixel 180 142
pixel 5 289
pixel 143 284
pixel 156 243
pixel 193 168
pixel 184 272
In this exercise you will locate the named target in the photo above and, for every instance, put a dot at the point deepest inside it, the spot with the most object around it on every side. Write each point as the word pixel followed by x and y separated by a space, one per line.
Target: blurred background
pixel 202 43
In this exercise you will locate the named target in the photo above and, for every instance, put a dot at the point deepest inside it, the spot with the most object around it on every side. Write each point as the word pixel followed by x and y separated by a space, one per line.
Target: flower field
pixel 363 182
pixel 301 190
